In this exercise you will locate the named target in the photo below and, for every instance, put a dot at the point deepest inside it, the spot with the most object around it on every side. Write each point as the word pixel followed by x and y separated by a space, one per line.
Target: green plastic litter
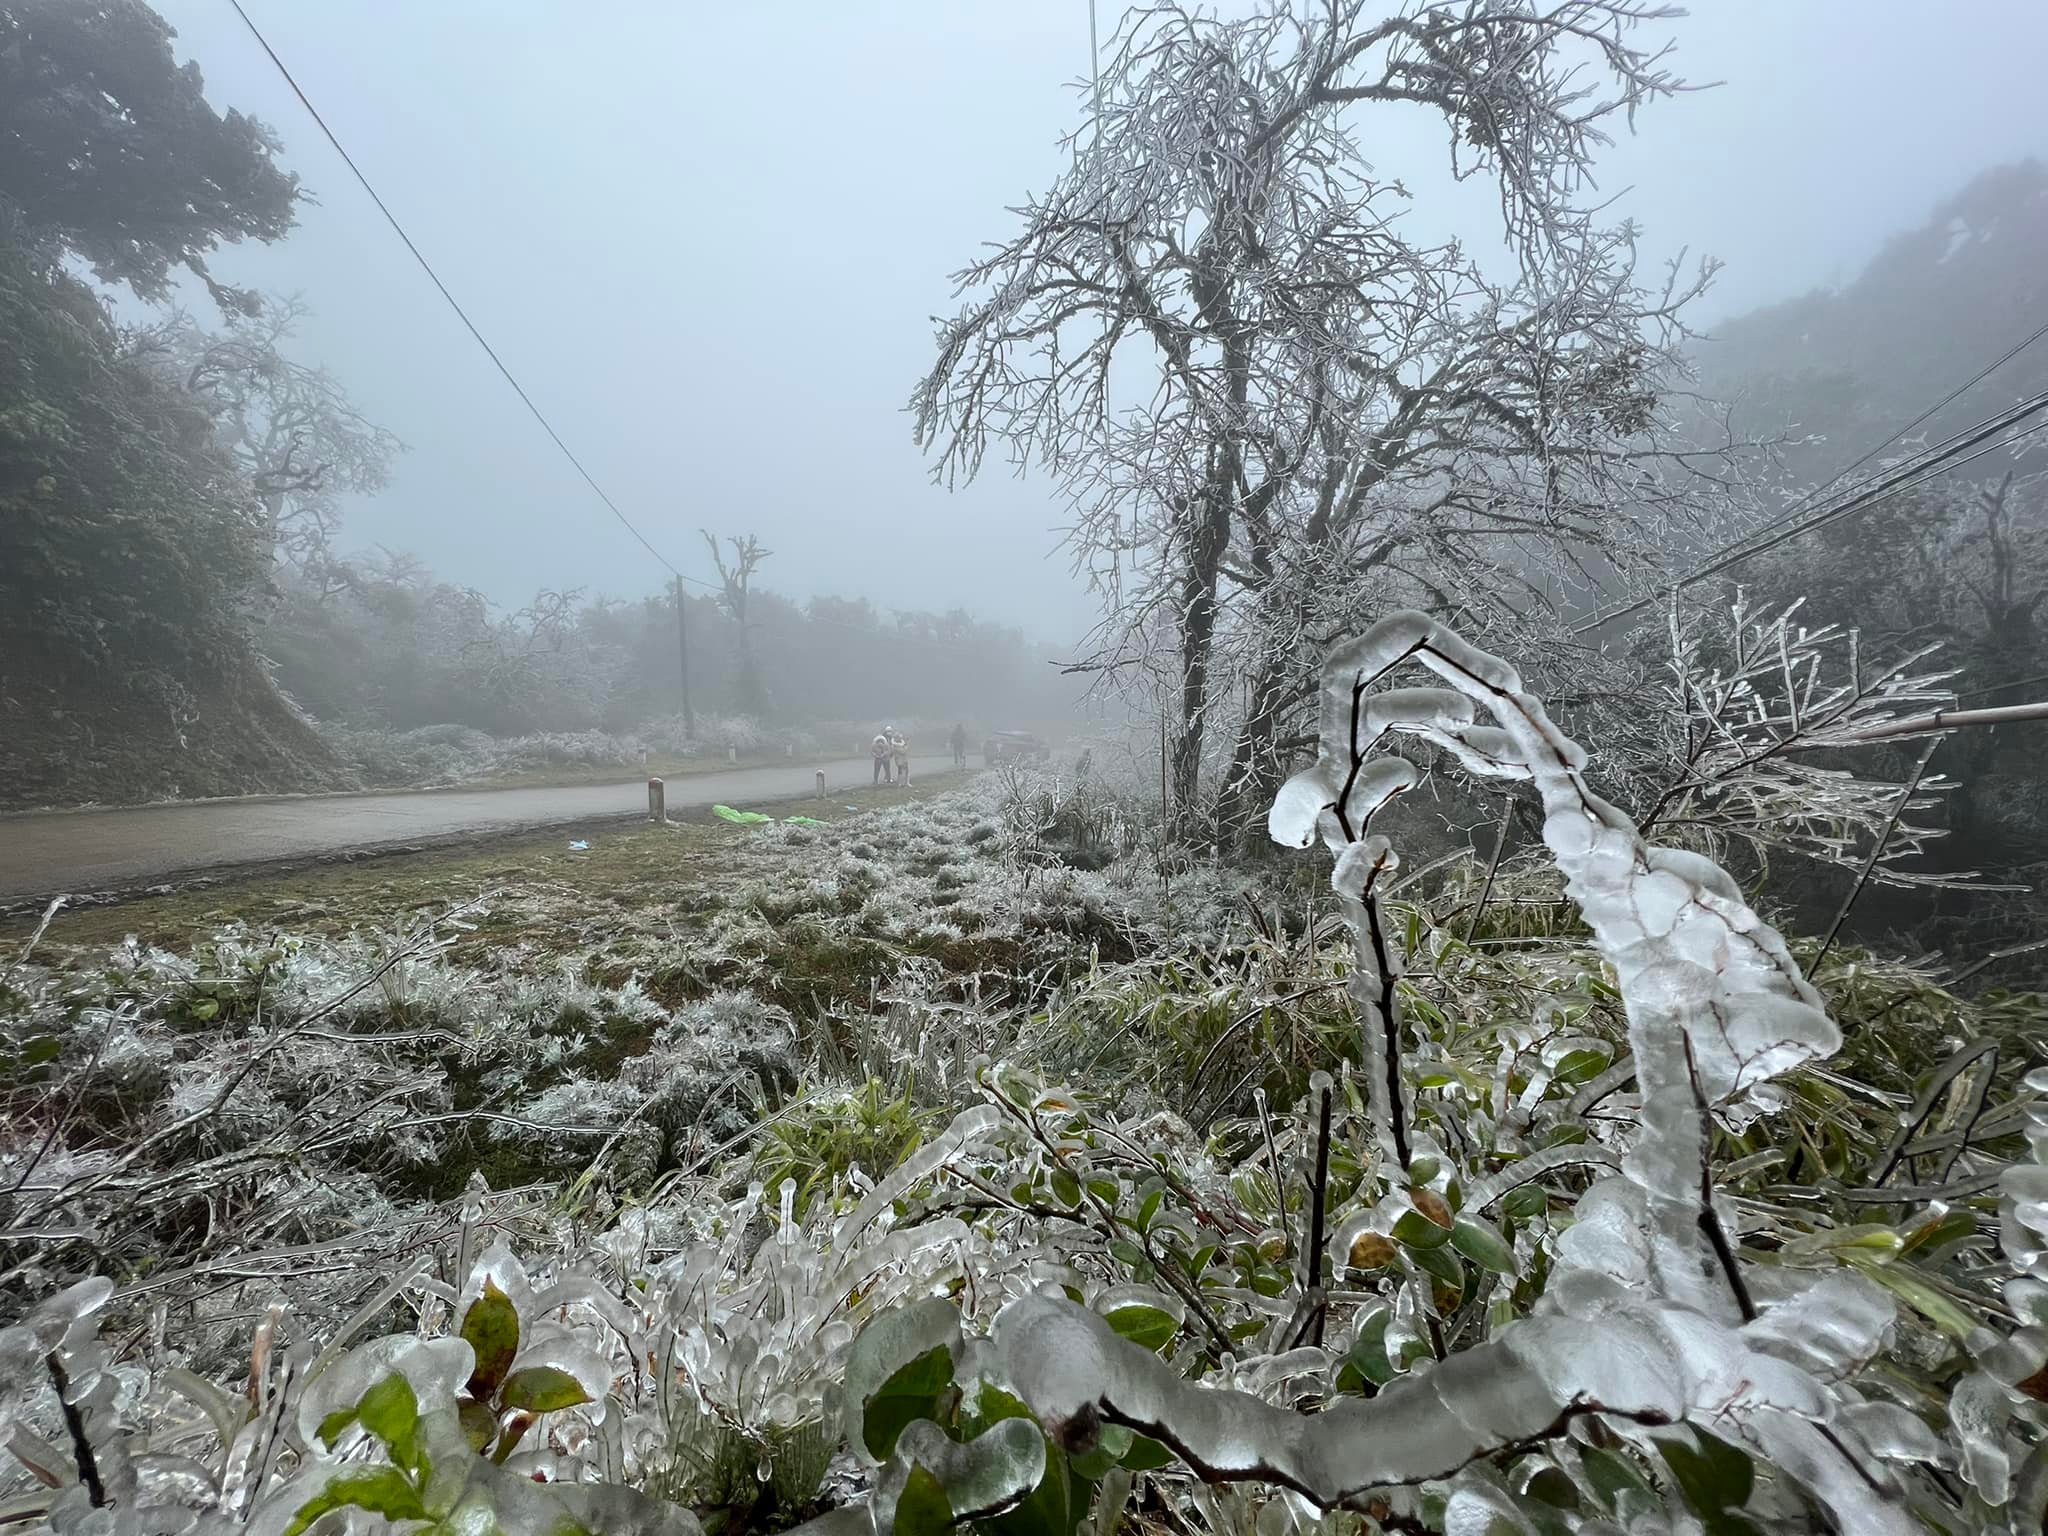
pixel 740 818
pixel 802 821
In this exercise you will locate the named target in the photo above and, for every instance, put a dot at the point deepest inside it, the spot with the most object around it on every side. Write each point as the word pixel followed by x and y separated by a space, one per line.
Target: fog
pixel 1483 922
pixel 708 240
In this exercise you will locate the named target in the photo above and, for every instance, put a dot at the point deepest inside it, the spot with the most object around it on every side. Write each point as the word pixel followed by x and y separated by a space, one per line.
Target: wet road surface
pixel 80 852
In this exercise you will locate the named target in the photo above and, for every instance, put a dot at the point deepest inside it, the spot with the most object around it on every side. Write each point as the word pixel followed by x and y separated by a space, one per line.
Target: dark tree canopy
pixel 129 543
pixel 109 149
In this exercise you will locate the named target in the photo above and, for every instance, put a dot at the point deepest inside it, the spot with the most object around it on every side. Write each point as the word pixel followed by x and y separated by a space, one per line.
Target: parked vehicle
pixel 1015 747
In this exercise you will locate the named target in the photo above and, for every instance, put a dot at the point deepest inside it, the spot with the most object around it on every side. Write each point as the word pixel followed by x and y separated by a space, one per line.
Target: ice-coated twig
pixel 1647 1319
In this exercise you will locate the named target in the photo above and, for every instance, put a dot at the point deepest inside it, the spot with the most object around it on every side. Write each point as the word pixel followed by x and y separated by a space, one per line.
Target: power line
pixel 1944 458
pixel 498 362
pixel 1916 475
pixel 1916 471
pixel 2020 682
pixel 1945 401
pixel 460 314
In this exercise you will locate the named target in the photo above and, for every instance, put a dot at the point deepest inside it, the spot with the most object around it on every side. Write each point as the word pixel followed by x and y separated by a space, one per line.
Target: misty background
pixel 708 240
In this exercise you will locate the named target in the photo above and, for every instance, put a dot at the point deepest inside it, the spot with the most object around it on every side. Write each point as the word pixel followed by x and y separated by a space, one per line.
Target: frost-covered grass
pixel 358 1042
pixel 434 755
pixel 732 1095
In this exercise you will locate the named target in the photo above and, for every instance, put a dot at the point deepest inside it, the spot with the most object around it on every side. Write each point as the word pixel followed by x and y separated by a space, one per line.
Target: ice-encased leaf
pixel 381 1491
pixel 490 1326
pixel 544 1389
pixel 967 1127
pixel 1361 864
pixel 982 1477
pixel 1978 1410
pixel 1832 1328
pixel 498 1269
pixel 893 1341
pixel 435 1369
pixel 1896 1433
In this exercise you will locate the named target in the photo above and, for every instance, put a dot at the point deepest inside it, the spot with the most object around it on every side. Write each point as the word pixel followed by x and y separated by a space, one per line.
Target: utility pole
pixel 683 652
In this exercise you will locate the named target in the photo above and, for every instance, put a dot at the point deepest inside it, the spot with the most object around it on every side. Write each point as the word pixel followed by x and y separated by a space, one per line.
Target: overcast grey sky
pixel 709 238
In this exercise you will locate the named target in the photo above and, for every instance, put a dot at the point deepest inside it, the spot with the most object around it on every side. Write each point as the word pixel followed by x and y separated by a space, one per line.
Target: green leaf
pixel 479 1424
pixel 1146 1455
pixel 1424 1169
pixel 1919 1294
pixel 542 1389
pixel 391 1412
pixel 1111 1448
pixel 1415 1231
pixel 1715 1478
pixel 40 1049
pixel 1048 1510
pixel 1952 1227
pixel 1146 1327
pixel 1526 1201
pixel 924 1509
pixel 331 1427
pixel 1610 1474
pixel 1149 1209
pixel 1580 1066
pixel 1440 1264
pixel 1369 1351
pixel 381 1490
pixel 992 1405
pixel 1552 1486
pixel 1126 1253
pixel 491 1328
pixel 914 1392
pixel 1483 1245
pixel 1108 1191
pixel 1066 1189
pixel 1268 1281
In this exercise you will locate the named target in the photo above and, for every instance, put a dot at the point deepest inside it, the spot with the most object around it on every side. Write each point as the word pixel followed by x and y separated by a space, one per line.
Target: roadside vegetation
pixel 1445 1067
pixel 772 1089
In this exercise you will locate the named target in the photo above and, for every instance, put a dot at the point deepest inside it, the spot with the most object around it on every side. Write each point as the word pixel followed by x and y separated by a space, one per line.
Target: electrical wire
pixel 1943 459
pixel 1913 473
pixel 499 363
pixel 460 313
pixel 1943 403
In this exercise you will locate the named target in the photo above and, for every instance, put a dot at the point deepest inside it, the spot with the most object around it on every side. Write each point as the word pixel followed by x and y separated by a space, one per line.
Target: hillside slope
pixel 1934 305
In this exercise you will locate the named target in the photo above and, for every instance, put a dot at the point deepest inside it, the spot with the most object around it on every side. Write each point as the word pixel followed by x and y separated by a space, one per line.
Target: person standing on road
pixel 881 748
pixel 959 746
pixel 900 744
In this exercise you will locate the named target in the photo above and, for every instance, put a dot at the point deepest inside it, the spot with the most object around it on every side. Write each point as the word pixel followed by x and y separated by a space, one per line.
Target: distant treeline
pixel 383 642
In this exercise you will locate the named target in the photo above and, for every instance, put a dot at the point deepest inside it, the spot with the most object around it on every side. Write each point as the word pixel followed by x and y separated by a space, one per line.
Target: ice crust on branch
pixel 1647 1320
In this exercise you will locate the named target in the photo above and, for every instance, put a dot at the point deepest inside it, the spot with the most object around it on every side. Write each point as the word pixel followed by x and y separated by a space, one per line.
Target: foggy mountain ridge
pixel 1935 302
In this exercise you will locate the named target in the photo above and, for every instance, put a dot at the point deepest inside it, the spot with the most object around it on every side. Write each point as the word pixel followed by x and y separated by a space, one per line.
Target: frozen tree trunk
pixel 1254 775
pixel 1208 532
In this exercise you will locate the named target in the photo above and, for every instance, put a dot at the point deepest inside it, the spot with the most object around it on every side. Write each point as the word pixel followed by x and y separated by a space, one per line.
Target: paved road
pixel 81 852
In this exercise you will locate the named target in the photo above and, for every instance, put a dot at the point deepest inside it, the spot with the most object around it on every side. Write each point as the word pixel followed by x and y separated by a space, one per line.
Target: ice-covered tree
pixel 291 428
pixel 110 151
pixel 1267 400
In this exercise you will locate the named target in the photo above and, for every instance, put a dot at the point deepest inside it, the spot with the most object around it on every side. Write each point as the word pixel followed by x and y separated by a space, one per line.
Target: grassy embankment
pixel 628 866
